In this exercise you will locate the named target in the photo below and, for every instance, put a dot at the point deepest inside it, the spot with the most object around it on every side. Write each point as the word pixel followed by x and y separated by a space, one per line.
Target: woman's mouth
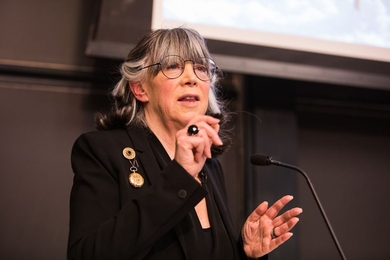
pixel 189 98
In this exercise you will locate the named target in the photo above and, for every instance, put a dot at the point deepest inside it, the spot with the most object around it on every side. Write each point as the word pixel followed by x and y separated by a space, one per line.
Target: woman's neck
pixel 166 135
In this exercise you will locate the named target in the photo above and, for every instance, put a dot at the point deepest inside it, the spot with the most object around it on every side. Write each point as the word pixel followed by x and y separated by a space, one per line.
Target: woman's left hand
pixel 262 222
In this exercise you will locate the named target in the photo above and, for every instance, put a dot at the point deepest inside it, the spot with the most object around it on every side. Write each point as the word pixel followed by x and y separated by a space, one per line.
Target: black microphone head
pixel 260 159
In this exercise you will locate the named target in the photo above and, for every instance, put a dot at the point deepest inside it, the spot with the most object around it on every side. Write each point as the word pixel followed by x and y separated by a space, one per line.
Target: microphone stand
pixel 277 163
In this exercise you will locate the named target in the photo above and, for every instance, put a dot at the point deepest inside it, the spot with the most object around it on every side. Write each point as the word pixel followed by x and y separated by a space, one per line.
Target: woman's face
pixel 176 101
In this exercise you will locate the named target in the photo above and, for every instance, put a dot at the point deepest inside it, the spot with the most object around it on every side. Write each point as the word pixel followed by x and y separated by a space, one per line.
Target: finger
pixel 203 118
pixel 286 216
pixel 216 127
pixel 199 148
pixel 274 210
pixel 194 147
pixel 202 137
pixel 208 119
pixel 194 143
pixel 280 240
pixel 285 227
pixel 189 151
pixel 211 131
pixel 210 124
pixel 258 212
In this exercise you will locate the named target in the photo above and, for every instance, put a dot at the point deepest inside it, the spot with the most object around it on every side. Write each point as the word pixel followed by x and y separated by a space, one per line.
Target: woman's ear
pixel 138 91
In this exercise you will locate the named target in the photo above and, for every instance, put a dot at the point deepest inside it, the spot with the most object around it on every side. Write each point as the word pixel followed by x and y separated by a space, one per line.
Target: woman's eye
pixel 173 67
pixel 201 68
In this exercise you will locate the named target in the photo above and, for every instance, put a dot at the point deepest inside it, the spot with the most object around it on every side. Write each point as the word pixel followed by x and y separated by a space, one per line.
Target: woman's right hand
pixel 192 151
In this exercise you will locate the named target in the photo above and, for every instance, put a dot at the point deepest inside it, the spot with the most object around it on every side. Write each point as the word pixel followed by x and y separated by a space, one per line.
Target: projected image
pixel 365 22
pixel 348 28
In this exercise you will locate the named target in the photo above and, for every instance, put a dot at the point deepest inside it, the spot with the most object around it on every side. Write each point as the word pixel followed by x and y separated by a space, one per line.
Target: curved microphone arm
pixel 258 159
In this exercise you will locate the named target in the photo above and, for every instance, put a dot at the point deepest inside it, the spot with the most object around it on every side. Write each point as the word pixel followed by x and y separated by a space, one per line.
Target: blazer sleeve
pixel 102 226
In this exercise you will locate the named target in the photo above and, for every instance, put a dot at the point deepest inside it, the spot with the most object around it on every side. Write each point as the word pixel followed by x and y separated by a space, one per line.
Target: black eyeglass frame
pixel 212 72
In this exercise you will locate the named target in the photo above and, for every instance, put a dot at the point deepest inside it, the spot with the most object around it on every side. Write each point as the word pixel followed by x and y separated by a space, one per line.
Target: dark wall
pixel 53 32
pixel 340 137
pixel 39 125
pixel 49 90
pixel 348 160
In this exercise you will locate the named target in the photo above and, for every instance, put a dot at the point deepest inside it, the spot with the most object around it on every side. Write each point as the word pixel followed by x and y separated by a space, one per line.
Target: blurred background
pixel 325 111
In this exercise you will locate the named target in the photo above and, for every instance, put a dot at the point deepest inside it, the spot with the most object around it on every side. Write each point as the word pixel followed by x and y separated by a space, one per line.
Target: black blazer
pixel 110 219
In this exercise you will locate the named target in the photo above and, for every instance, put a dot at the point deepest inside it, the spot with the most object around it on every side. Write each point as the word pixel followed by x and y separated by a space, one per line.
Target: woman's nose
pixel 189 72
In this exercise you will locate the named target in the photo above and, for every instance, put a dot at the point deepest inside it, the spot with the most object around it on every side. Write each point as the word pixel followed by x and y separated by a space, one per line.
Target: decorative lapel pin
pixel 135 179
pixel 129 153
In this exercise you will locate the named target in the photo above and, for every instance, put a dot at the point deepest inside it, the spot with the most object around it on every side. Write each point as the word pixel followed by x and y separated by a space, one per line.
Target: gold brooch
pixel 135 179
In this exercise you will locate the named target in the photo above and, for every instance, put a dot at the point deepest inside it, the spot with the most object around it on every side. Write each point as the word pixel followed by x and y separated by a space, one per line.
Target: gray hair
pixel 151 48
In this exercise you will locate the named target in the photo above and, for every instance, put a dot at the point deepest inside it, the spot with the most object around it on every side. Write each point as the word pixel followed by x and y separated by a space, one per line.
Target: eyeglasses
pixel 172 66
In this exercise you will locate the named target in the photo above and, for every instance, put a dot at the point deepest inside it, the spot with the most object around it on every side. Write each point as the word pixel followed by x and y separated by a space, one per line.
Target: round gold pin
pixel 136 179
pixel 129 153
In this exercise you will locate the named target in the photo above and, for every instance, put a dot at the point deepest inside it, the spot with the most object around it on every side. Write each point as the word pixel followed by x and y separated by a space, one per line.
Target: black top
pixel 215 241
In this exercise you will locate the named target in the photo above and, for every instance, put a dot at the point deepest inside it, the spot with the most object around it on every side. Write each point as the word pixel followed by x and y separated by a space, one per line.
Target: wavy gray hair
pixel 151 48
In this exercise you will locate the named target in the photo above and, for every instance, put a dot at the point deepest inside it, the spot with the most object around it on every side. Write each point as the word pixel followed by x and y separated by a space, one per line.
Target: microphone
pixel 265 160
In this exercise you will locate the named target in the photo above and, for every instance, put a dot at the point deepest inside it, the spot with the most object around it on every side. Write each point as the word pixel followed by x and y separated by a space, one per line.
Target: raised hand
pixel 264 231
pixel 192 151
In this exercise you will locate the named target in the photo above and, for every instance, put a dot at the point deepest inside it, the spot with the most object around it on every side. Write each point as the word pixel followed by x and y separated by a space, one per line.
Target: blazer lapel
pixel 147 159
pixel 145 155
